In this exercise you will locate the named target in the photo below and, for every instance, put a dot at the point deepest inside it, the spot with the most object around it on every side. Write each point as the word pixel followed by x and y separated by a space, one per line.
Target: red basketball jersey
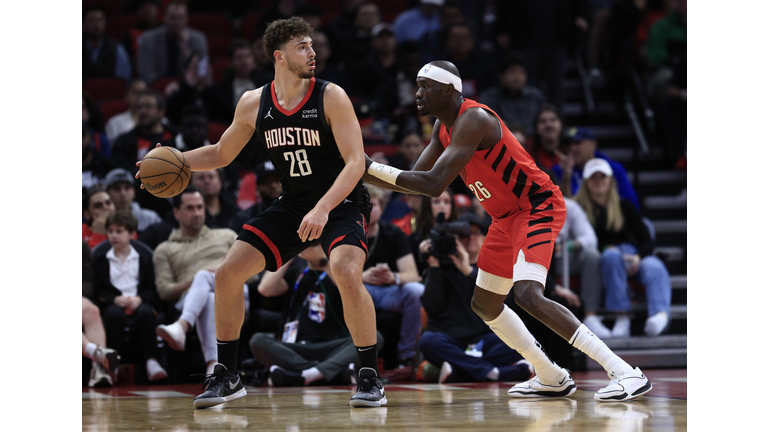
pixel 504 178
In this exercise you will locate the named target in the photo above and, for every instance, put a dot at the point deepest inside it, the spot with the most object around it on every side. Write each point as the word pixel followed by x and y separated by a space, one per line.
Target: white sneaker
pixel 656 324
pixel 624 387
pixel 533 388
pixel 108 358
pixel 445 371
pixel 596 326
pixel 155 372
pixel 173 334
pixel 100 377
pixel 621 327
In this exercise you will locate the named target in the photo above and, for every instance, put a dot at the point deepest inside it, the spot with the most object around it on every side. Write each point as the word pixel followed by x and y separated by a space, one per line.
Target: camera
pixel 443 236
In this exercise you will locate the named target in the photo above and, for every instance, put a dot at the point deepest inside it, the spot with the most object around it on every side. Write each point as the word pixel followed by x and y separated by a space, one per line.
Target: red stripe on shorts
pixel 270 245
pixel 333 243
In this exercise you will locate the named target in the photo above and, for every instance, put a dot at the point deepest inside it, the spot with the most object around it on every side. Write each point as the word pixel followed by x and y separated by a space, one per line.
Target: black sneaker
pixel 221 386
pixel 280 377
pixel 370 390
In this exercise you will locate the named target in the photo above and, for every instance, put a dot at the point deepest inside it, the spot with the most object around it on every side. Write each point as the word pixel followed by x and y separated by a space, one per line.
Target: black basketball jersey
pixel 301 145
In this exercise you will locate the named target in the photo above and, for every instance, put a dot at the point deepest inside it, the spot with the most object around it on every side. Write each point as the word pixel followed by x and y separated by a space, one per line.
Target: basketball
pixel 164 171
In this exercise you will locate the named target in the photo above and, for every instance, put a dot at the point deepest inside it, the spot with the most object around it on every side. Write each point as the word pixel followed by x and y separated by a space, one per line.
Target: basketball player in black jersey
pixel 310 131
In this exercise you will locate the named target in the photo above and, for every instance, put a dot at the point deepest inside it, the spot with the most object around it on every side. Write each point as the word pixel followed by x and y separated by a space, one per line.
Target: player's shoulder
pixel 252 96
pixel 475 117
pixel 334 92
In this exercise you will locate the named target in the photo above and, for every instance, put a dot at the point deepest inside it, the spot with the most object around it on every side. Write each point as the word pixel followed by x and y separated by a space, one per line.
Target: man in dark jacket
pixel 124 282
pixel 456 337
pixel 102 56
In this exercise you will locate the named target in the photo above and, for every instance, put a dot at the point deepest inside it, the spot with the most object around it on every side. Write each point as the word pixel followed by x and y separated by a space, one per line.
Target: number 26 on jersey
pixel 480 192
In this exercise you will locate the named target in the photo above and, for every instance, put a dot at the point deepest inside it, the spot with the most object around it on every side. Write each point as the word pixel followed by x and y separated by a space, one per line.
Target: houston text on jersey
pixel 288 136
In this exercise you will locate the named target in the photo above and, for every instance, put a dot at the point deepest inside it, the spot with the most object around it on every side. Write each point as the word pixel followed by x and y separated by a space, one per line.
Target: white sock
pixel 493 375
pixel 90 350
pixel 311 375
pixel 510 329
pixel 591 345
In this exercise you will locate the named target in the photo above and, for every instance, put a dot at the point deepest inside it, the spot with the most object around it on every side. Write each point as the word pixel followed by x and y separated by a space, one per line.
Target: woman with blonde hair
pixel 627 251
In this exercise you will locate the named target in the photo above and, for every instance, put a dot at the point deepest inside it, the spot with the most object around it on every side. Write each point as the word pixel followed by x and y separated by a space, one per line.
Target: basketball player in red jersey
pixel 528 212
pixel 313 138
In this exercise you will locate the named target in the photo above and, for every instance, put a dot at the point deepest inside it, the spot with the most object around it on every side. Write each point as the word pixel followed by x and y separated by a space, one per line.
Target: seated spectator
pixel 147 13
pixel 122 192
pixel 512 99
pixel 395 96
pixel 92 115
pixel 433 42
pixel 184 274
pixel 219 209
pixel 583 148
pixel 104 360
pixel 547 143
pixel 102 56
pixel 391 277
pixel 269 189
pixel 324 68
pixel 95 166
pixel 408 151
pixel 97 206
pixel 456 338
pixel 126 120
pixel 627 251
pixel 413 23
pixel 578 237
pixel 477 70
pixel 193 128
pixel 125 286
pixel 315 345
pixel 428 212
pixel 378 65
pixel 132 146
pixel 163 50
pixel 403 211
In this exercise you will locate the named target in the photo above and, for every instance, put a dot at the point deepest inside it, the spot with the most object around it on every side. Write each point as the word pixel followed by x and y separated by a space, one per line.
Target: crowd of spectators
pixel 172 72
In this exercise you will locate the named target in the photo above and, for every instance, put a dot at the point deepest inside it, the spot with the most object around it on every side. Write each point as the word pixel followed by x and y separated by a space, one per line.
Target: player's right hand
pixel 138 164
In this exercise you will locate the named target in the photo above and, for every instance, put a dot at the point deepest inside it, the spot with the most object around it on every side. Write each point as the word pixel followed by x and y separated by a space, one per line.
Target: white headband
pixel 440 75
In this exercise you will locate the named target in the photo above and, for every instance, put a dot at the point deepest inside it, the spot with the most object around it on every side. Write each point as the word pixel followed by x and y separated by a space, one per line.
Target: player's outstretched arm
pixel 234 138
pixel 467 133
pixel 424 163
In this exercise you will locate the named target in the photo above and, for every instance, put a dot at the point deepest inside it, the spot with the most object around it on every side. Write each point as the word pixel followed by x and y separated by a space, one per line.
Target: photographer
pixel 456 337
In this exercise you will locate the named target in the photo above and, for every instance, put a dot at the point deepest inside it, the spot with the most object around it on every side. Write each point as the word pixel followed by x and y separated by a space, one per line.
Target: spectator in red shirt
pixel 97 206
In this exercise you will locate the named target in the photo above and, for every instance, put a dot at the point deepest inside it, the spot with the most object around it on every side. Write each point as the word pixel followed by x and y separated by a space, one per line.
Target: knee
pixel 347 276
pixel 427 341
pixel 414 290
pixel 90 313
pixel 653 264
pixel 528 294
pixel 145 311
pixel 484 310
pixel 258 342
pixel 612 256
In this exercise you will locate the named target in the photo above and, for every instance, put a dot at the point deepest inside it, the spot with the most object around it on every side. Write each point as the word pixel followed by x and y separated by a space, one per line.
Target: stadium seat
pixel 249 24
pixel 220 69
pixel 111 7
pixel 100 89
pixel 218 47
pixel 161 83
pixel 118 26
pixel 215 130
pixel 211 24
pixel 111 108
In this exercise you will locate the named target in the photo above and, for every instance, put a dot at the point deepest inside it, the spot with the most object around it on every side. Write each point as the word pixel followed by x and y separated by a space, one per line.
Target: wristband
pixel 384 172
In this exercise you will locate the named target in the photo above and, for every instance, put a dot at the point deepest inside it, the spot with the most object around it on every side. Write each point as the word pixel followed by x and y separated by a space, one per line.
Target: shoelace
pixel 208 379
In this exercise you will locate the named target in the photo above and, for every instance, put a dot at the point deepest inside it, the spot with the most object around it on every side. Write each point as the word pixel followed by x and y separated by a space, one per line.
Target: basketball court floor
pixel 412 406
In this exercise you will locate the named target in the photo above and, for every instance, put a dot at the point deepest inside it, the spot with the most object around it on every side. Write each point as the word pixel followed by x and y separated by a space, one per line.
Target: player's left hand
pixel 312 225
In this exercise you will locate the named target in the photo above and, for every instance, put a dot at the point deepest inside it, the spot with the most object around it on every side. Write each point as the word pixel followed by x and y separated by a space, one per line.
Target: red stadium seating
pixel 100 89
pixel 249 24
pixel 118 26
pixel 220 69
pixel 211 24
pixel 161 83
pixel 218 46
pixel 111 108
pixel 215 130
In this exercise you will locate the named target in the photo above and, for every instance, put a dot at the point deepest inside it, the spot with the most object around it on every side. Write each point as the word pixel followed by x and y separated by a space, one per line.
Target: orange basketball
pixel 164 171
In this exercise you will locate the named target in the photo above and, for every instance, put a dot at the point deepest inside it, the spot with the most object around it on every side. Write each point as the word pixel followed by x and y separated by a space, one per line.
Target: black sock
pixel 228 353
pixel 368 357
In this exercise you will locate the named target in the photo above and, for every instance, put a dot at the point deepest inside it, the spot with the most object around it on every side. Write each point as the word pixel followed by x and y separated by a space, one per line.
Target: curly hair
pixel 279 32
pixel 123 218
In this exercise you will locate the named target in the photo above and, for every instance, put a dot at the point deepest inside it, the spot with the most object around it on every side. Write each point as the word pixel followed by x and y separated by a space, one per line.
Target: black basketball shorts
pixel 274 232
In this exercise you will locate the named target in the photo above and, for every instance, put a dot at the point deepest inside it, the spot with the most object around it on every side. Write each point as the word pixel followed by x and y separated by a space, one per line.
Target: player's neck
pixel 450 113
pixel 289 88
